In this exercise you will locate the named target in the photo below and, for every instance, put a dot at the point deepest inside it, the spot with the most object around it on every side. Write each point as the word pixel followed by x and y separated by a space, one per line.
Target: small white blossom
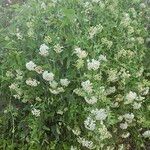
pixel 125 135
pixel 32 82
pixel 48 76
pixel 146 134
pixel 39 69
pixel 44 50
pixel 142 5
pixel 64 82
pixel 130 97
pixel 35 112
pixel 13 86
pixel 73 148
pixel 94 30
pixel 136 105
pixel 9 74
pixel 80 53
pixel 57 91
pixel 86 143
pixel 102 58
pixel 145 91
pixel 100 114
pixel 129 117
pixel 53 84
pixel 76 131
pixel 93 64
pixel 123 125
pixel 111 90
pixel 30 65
pixel 87 86
pixel 58 48
pixel 89 123
pixel 17 96
pixel 91 100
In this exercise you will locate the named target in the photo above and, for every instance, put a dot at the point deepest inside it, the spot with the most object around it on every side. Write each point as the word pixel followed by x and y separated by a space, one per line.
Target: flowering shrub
pixel 73 76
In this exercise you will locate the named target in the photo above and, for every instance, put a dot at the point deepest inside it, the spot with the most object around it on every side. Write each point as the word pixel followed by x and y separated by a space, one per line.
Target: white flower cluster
pixel 30 65
pixel 44 50
pixel 80 53
pixel 99 114
pixel 73 148
pixel 36 112
pixel 102 58
pixel 87 86
pixel 91 100
pixel 15 87
pixel 107 42
pixel 48 76
pixel 64 82
pixel 104 133
pixel 146 134
pixel 32 82
pixel 89 123
pixel 129 117
pixel 130 97
pixel 93 64
pixel 94 30
pixel 86 143
pixel 57 90
pixel 123 125
pixel 58 48
pixel 128 120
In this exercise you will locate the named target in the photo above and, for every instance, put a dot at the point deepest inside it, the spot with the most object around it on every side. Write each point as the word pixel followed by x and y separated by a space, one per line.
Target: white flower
pixel 87 86
pixel 102 58
pixel 142 5
pixel 130 97
pixel 94 30
pixel 86 143
pixel 129 117
pixel 93 64
pixel 125 135
pixel 17 96
pixel 48 76
pixel 39 69
pixel 13 86
pixel 136 105
pixel 35 112
pixel 89 123
pixel 145 91
pixel 73 148
pixel 30 65
pixel 146 134
pixel 38 99
pixel 100 114
pixel 76 131
pixel 112 75
pixel 64 82
pixel 80 53
pixel 44 50
pixel 43 6
pixel 32 82
pixel 53 84
pixel 123 125
pixel 9 74
pixel 91 100
pixel 57 91
pixel 111 90
pixel 58 48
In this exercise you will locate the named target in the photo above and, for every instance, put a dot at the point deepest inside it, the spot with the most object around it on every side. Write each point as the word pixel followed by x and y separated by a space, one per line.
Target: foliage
pixel 73 75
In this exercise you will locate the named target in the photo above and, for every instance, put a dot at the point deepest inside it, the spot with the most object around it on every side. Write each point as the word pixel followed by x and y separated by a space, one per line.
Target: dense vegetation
pixel 74 75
